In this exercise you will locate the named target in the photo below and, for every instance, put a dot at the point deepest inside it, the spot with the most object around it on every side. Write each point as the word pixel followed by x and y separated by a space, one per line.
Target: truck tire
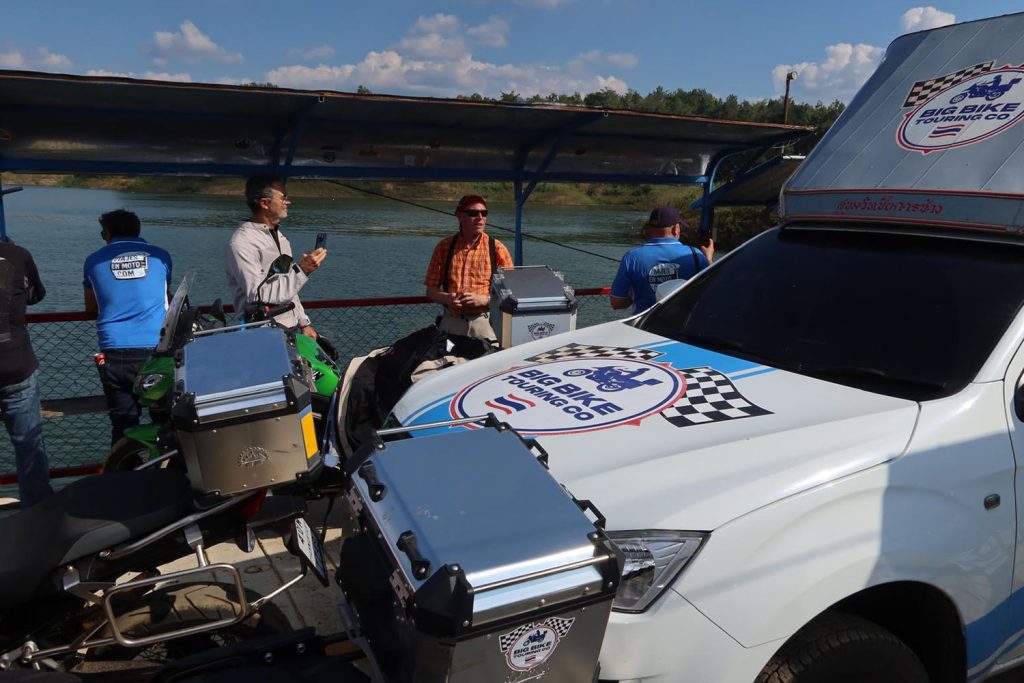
pixel 842 648
pixel 190 604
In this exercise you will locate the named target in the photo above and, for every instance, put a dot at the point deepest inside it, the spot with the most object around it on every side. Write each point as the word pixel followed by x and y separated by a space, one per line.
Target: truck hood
pixel 660 434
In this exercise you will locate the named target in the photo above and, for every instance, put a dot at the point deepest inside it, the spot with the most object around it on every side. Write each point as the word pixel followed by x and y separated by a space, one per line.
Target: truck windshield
pixel 902 315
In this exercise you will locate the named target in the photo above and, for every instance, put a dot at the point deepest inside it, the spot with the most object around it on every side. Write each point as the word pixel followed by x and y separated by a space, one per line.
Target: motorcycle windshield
pixel 179 302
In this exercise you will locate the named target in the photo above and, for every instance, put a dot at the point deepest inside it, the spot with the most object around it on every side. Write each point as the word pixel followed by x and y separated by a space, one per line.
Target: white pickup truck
pixel 811 453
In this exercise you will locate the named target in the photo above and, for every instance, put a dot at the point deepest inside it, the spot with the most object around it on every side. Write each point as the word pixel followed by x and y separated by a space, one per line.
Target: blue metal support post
pixel 520 200
pixel 3 220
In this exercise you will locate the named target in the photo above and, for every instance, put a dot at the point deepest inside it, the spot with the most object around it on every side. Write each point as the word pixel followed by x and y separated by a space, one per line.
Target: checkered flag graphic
pixel 710 397
pixel 922 90
pixel 570 351
pixel 505 641
pixel 557 624
pixel 561 626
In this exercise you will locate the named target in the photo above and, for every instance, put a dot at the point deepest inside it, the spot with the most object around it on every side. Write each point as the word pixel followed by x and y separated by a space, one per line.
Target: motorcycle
pixel 80 578
pixel 80 582
pixel 611 378
pixel 147 443
pixel 988 90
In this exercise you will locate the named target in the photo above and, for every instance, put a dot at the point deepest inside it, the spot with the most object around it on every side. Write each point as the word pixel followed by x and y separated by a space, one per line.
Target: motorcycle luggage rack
pixel 488 420
pixel 244 608
pixel 375 443
pixel 87 642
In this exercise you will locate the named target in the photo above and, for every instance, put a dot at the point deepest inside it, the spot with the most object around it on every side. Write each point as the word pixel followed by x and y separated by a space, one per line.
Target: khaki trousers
pixel 476 325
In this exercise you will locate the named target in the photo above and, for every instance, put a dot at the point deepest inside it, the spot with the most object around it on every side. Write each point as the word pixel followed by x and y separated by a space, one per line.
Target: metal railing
pixel 76 428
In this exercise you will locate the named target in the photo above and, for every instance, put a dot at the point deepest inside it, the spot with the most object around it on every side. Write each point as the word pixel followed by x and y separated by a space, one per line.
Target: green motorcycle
pixel 150 442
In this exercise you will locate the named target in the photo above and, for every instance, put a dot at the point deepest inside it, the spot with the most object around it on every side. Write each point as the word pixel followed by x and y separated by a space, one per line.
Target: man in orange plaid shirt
pixel 459 274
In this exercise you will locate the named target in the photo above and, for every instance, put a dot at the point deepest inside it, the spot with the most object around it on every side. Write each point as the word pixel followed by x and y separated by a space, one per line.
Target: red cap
pixel 468 200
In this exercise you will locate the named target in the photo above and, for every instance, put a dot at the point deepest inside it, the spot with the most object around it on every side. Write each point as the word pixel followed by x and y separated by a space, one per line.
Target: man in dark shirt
pixel 19 373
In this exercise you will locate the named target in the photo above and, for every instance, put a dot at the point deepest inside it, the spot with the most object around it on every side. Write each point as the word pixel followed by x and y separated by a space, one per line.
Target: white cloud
pixel 435 37
pixel 321 53
pixel 922 18
pixel 391 72
pixel 37 58
pixel 493 33
pixel 435 59
pixel 190 45
pixel 622 60
pixel 147 75
pixel 844 70
pixel 846 66
pixel 545 4
pixel 439 23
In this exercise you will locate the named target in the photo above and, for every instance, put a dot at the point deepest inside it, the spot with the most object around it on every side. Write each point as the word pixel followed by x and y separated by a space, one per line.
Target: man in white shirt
pixel 256 245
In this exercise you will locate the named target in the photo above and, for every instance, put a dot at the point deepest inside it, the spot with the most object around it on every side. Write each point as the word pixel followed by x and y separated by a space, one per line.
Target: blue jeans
pixel 118 375
pixel 19 404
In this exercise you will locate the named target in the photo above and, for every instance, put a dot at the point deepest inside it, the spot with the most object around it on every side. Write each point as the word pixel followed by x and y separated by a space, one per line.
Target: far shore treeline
pixel 732 226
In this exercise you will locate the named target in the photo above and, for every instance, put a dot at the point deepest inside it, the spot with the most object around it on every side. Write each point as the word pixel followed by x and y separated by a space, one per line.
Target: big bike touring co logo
pixel 573 395
pixel 962 108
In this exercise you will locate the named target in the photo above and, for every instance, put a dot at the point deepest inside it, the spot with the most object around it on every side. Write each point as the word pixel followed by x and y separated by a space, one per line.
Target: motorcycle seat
pixel 87 516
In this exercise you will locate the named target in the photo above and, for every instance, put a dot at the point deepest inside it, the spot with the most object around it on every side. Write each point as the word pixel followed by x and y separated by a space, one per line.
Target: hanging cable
pixel 447 213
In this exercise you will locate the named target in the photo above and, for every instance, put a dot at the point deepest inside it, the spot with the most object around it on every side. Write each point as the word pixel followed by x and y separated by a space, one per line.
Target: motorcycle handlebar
pixel 258 312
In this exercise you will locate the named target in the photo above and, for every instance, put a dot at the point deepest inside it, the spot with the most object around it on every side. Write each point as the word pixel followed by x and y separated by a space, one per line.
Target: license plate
pixel 310 550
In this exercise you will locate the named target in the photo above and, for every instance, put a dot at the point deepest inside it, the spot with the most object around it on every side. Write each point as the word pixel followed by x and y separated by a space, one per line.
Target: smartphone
pixel 321 240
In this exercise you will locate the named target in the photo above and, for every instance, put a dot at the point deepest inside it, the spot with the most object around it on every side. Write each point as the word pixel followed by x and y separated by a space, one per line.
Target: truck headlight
pixel 654 559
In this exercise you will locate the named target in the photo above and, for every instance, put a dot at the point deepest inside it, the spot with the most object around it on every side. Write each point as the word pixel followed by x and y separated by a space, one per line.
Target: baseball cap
pixel 468 200
pixel 663 217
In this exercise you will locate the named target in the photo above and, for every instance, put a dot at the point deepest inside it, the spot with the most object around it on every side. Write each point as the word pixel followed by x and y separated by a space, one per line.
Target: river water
pixel 376 247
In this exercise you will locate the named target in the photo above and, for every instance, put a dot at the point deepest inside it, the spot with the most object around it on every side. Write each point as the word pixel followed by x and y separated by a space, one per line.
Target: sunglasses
pixel 475 212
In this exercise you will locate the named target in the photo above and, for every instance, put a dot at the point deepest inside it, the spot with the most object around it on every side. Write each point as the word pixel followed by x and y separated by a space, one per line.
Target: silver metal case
pixel 242 411
pixel 530 302
pixel 487 569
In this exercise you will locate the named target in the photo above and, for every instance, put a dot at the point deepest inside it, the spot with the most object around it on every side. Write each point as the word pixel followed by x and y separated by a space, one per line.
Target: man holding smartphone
pixel 258 260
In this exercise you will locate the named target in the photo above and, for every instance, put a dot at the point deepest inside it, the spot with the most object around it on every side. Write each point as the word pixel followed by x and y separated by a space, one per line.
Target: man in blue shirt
pixel 126 285
pixel 661 258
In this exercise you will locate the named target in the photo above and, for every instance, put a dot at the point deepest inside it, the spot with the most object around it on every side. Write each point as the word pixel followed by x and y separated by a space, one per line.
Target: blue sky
pixel 443 49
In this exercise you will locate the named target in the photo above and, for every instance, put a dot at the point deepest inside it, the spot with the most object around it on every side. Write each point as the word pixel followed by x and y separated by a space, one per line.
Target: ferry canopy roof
pixel 758 186
pixel 78 124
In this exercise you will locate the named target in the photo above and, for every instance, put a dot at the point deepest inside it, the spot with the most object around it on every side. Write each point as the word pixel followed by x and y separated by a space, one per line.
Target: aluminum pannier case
pixel 530 302
pixel 242 410
pixel 473 564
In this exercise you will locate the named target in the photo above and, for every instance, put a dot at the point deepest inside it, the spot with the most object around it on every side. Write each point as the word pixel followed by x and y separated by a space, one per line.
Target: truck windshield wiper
pixel 855 371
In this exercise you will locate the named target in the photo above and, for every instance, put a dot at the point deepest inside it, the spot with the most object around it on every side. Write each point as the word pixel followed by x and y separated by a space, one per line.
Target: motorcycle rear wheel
pixel 180 606
pixel 126 454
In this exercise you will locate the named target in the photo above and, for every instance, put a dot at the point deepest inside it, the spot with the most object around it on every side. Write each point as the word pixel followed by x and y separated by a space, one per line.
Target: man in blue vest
pixel 126 285
pixel 662 257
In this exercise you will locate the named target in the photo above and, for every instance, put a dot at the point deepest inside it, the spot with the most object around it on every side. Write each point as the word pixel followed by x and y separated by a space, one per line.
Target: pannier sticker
pixel 531 645
pixel 962 108
pixel 251 456
pixel 540 330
